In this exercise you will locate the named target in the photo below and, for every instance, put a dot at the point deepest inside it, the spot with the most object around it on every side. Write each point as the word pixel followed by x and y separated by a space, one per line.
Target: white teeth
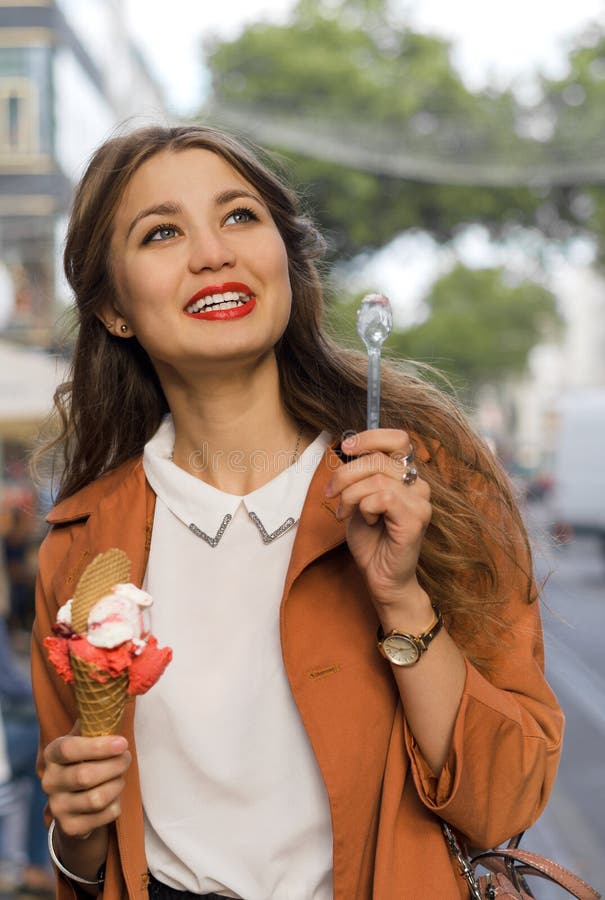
pixel 228 300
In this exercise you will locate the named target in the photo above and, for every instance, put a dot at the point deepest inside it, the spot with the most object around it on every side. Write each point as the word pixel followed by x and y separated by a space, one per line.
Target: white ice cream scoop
pixel 64 614
pixel 120 616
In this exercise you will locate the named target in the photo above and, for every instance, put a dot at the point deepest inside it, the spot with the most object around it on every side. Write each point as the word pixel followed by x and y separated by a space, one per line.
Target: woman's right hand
pixel 84 778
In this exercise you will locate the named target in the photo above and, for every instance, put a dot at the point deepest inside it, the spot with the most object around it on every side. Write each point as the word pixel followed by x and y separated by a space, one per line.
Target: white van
pixel 578 498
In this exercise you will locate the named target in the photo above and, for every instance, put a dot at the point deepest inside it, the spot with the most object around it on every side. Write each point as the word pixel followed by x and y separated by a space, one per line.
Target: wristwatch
pixel 403 649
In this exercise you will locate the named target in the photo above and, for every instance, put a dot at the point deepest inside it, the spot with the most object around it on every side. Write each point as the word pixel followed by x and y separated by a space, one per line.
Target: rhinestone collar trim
pixel 267 538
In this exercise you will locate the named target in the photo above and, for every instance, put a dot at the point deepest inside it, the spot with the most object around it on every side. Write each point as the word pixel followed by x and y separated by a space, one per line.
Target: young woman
pixel 288 752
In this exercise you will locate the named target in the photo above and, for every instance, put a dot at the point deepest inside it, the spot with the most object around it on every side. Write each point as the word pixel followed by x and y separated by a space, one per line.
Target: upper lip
pixel 237 286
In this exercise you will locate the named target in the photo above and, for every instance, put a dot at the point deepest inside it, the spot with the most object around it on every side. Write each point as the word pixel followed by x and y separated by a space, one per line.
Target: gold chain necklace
pixel 297 447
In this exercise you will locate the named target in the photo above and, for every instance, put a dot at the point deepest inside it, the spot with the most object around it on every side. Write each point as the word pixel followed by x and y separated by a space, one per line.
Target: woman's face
pixel 200 268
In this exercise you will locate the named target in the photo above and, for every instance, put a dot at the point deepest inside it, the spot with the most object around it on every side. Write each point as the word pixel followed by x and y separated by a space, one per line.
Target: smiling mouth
pixel 218 302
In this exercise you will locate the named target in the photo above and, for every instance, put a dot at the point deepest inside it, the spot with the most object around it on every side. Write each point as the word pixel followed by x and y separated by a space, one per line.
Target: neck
pixel 233 432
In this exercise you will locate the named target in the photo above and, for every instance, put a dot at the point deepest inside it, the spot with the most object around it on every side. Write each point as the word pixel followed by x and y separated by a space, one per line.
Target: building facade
pixel 69 75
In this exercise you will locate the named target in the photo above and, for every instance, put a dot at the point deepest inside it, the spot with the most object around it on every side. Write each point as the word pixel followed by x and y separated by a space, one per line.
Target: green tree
pixel 479 328
pixel 353 69
pixel 574 109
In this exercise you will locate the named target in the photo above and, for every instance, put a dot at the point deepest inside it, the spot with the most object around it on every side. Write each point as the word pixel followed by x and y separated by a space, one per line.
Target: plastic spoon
pixel 374 324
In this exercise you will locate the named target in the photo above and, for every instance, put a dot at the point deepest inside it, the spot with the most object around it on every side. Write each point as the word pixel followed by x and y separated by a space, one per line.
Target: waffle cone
pixel 100 704
pixel 97 580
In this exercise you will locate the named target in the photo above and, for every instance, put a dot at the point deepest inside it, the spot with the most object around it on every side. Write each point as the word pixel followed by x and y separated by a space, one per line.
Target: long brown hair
pixel 114 402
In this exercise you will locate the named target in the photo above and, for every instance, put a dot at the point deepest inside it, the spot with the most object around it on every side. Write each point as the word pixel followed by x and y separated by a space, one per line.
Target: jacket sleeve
pixel 507 736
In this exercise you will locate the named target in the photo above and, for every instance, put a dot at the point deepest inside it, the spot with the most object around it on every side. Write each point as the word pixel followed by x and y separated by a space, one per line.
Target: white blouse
pixel 233 799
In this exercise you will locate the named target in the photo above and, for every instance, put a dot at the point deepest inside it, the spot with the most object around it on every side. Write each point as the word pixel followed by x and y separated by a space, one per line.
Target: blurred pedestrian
pixel 289 751
pixel 11 857
pixel 18 539
pixel 24 861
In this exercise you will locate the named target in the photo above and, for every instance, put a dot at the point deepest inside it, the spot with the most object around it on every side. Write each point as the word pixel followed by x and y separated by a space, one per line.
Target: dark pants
pixel 159 891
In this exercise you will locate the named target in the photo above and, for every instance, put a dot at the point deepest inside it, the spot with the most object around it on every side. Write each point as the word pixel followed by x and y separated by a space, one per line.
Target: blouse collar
pixel 274 508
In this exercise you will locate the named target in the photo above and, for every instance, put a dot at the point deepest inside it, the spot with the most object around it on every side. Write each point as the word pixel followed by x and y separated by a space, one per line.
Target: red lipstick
pixel 221 315
pixel 213 313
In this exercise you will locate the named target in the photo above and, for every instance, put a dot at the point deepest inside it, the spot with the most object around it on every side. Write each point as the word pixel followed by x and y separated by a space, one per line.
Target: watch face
pixel 400 650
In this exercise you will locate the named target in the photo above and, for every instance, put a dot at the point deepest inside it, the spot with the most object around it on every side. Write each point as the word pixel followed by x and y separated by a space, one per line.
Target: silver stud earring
pixel 123 328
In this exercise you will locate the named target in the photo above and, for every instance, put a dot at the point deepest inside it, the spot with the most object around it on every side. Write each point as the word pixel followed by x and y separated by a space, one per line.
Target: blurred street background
pixel 454 155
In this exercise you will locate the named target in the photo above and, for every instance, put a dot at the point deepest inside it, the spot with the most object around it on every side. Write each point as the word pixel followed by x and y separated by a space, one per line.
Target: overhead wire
pixel 385 151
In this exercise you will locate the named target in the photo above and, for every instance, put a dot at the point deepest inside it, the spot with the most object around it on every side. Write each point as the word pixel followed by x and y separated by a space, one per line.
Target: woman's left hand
pixel 386 517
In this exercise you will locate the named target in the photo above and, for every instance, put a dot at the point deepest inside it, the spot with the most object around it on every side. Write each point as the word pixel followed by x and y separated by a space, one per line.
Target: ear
pixel 114 321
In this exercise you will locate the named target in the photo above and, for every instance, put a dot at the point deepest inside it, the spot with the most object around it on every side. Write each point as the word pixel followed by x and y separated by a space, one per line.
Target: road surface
pixel 572 829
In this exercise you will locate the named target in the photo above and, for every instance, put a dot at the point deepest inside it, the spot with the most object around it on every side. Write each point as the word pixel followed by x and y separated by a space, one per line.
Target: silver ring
pixel 409 475
pixel 406 459
pixel 409 459
pixel 410 472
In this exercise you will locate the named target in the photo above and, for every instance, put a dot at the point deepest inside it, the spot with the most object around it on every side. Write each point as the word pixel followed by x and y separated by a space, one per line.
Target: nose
pixel 210 249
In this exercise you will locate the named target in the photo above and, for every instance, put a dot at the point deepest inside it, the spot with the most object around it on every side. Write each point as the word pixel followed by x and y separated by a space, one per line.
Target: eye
pixel 161 233
pixel 241 215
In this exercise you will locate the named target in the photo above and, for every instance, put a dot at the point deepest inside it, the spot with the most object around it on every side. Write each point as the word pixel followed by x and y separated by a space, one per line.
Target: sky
pixel 495 42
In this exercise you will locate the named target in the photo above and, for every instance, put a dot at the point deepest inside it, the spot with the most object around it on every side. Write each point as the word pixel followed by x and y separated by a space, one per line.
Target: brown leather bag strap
pixel 524 862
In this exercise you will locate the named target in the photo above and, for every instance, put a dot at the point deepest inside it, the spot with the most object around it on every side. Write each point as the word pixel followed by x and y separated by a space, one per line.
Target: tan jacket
pixel 384 800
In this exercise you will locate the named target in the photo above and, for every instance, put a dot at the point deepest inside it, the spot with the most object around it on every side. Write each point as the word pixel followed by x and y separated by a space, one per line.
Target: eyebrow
pixel 173 209
pixel 233 194
pixel 163 209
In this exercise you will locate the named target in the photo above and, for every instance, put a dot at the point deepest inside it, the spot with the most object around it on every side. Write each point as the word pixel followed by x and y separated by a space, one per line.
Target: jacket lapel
pixel 318 529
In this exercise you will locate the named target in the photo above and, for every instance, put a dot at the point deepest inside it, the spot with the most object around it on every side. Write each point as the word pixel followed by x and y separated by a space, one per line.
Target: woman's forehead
pixel 170 176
